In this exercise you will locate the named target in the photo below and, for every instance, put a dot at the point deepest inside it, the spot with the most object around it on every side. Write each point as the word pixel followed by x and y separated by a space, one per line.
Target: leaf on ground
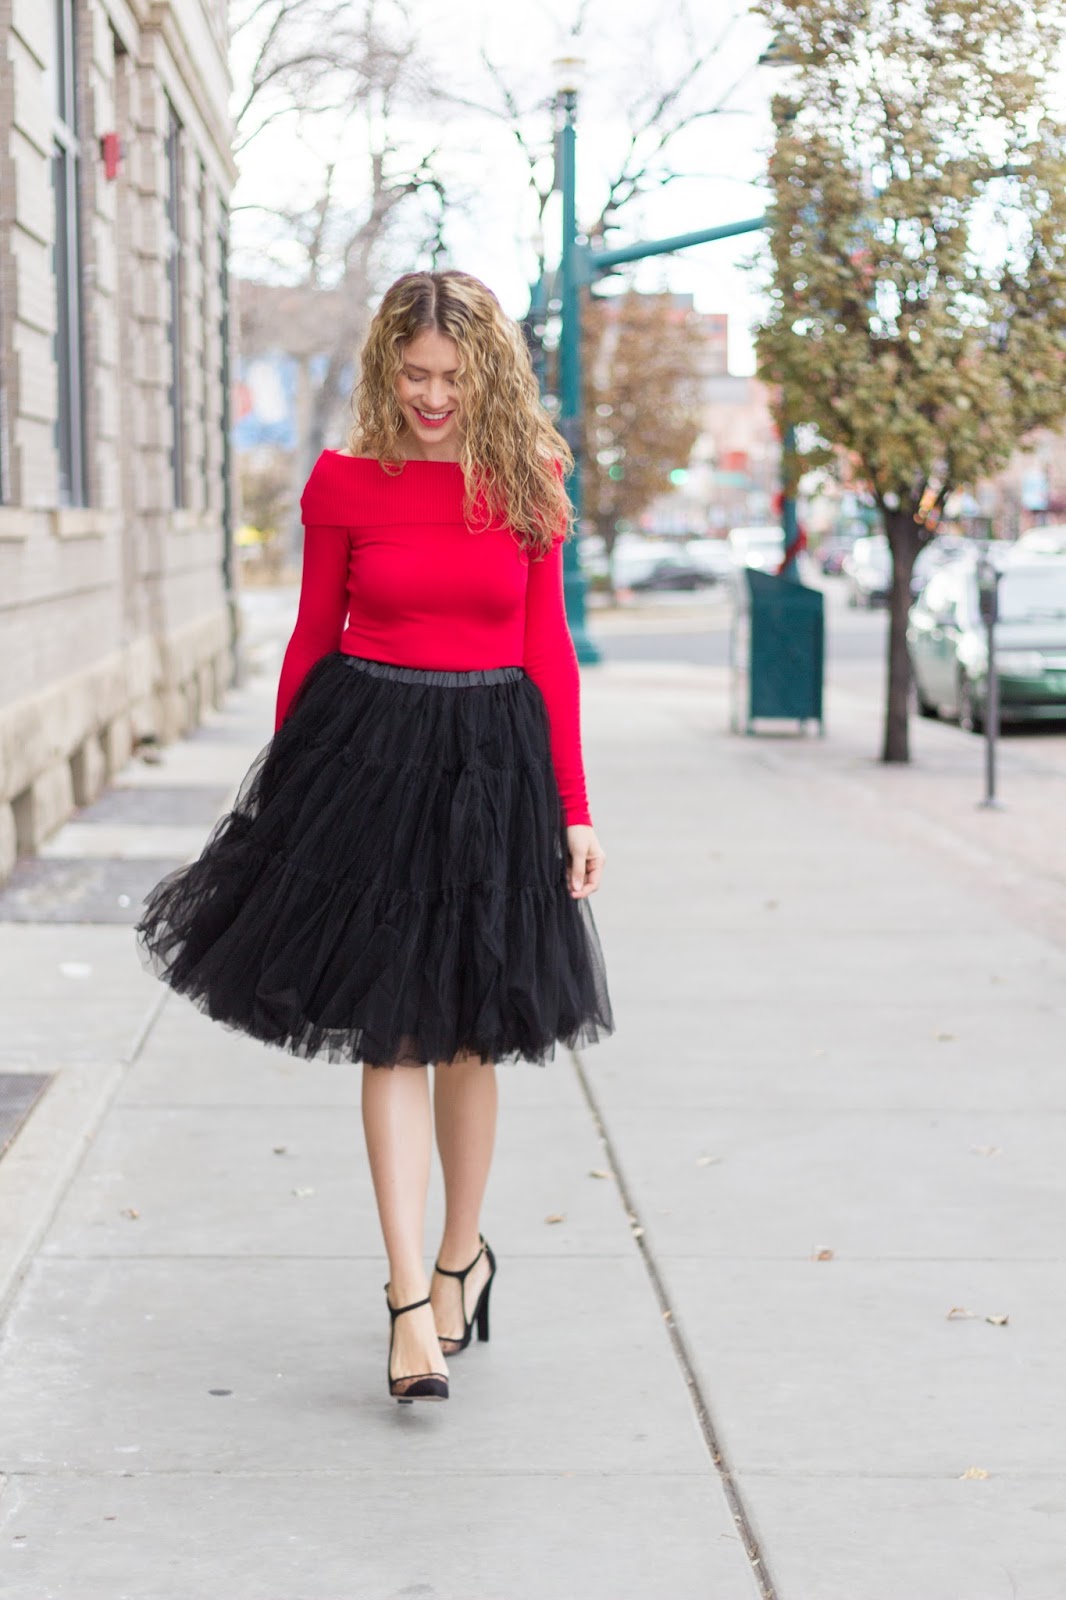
pixel 822 1253
pixel 131 1212
pixel 960 1314
pixel 600 1172
pixel 999 1319
pixel 556 1216
pixel 301 1194
pixel 942 1037
pixel 986 1149
pixel 281 1150
pixel 973 1472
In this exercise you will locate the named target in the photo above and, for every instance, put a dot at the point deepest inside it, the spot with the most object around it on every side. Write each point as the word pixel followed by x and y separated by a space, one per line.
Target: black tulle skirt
pixel 390 883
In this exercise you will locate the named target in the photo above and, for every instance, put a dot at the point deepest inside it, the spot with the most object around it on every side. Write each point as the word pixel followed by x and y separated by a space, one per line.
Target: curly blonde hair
pixel 514 461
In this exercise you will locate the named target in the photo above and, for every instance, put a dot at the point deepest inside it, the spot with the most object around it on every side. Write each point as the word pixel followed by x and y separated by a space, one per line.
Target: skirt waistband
pixel 438 677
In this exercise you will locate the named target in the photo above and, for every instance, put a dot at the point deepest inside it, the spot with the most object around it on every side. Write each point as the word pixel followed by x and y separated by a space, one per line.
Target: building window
pixel 207 376
pixel 174 317
pixel 69 352
pixel 224 380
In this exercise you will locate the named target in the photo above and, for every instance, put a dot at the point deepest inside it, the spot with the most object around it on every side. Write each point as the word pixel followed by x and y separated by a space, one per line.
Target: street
pixel 695 630
pixel 781 1284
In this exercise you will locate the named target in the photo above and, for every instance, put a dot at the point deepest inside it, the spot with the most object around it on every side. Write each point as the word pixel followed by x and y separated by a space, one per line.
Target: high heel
pixel 419 1385
pixel 480 1313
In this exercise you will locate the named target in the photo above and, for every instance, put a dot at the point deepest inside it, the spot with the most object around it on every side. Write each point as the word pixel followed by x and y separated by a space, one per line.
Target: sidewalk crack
pixel 704 1417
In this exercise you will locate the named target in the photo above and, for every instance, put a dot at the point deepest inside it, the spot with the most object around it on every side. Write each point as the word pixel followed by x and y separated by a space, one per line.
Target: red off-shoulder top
pixel 393 571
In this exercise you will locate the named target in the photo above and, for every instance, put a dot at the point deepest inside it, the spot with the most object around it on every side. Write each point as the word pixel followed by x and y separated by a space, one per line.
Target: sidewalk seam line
pixel 733 1496
pixel 31 1247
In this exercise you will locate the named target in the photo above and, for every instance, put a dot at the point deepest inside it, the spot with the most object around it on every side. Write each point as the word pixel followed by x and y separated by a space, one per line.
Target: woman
pixel 404 876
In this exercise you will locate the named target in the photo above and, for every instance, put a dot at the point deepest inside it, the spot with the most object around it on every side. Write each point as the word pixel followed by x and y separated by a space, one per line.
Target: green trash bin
pixel 778 651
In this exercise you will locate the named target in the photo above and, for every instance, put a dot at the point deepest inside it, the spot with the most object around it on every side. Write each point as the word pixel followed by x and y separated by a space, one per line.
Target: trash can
pixel 777 651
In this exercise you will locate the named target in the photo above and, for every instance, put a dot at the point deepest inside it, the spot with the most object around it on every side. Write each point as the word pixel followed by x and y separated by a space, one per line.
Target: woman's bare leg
pixel 464 1106
pixel 399 1142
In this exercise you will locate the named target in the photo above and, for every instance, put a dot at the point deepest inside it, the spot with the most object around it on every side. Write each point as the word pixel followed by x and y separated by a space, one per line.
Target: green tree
pixel 917 306
pixel 641 416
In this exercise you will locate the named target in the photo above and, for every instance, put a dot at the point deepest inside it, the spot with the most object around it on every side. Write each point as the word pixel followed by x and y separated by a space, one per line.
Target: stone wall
pixel 116 624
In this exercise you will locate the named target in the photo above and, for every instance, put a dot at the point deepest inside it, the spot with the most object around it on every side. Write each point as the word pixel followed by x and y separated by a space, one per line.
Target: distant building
pixel 286 334
pixel 714 341
pixel 733 474
pixel 1029 492
pixel 116 614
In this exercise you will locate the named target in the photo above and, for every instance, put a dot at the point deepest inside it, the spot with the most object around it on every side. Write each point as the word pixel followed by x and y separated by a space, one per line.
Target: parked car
pixel 674 572
pixel 1046 541
pixel 762 547
pixel 832 553
pixel 868 570
pixel 946 641
pixel 868 567
pixel 712 556
pixel 632 558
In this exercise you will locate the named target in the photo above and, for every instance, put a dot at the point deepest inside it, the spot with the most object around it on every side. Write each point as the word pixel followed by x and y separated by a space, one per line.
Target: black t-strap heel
pixel 480 1313
pixel 420 1385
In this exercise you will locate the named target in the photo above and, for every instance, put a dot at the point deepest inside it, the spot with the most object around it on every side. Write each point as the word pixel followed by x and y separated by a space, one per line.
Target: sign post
pixel 988 576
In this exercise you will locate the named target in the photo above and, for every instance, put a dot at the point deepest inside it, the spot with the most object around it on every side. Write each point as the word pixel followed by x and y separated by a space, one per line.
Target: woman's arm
pixel 323 609
pixel 550 660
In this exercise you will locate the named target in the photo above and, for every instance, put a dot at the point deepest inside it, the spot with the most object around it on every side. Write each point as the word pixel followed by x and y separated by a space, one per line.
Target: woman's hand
pixel 586 860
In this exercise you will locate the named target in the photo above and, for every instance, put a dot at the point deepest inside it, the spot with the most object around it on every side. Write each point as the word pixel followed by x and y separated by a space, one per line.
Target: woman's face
pixel 425 388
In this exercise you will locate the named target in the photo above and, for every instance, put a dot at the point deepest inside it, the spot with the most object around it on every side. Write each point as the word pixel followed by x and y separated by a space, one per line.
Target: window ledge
pixel 16 524
pixel 186 521
pixel 19 523
pixel 82 522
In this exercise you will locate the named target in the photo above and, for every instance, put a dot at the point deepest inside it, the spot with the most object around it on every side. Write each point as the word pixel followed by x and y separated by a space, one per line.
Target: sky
pixel 630 48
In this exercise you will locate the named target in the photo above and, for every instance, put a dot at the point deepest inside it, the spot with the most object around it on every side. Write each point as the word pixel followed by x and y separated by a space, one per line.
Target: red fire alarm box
pixel 111 148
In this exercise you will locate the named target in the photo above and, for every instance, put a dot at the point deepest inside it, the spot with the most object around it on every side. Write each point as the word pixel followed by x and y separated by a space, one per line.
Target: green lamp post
pixel 580 266
pixel 569 71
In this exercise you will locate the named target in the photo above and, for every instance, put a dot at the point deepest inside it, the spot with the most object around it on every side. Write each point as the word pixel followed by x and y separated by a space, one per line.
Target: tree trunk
pixel 905 538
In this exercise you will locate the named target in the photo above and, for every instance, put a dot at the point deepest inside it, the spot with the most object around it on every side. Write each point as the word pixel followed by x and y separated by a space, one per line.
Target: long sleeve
pixel 550 660
pixel 322 612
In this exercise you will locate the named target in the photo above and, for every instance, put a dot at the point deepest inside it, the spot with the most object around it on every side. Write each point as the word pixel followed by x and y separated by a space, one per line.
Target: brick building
pixel 117 621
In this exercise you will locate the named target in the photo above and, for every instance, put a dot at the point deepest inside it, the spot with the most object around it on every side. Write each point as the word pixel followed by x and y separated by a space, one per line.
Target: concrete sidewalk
pixel 832 1112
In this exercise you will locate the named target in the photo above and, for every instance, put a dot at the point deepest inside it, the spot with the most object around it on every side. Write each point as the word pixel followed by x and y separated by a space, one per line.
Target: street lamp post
pixel 580 265
pixel 569 75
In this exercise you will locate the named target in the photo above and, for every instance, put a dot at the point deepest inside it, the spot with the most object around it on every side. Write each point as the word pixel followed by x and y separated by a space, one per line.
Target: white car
pixel 712 556
pixel 1049 541
pixel 632 560
pixel 868 570
pixel 761 547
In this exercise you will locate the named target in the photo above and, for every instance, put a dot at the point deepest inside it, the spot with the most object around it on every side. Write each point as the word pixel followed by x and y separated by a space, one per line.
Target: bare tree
pixel 322 66
pixel 658 109
pixel 642 397
pixel 641 408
